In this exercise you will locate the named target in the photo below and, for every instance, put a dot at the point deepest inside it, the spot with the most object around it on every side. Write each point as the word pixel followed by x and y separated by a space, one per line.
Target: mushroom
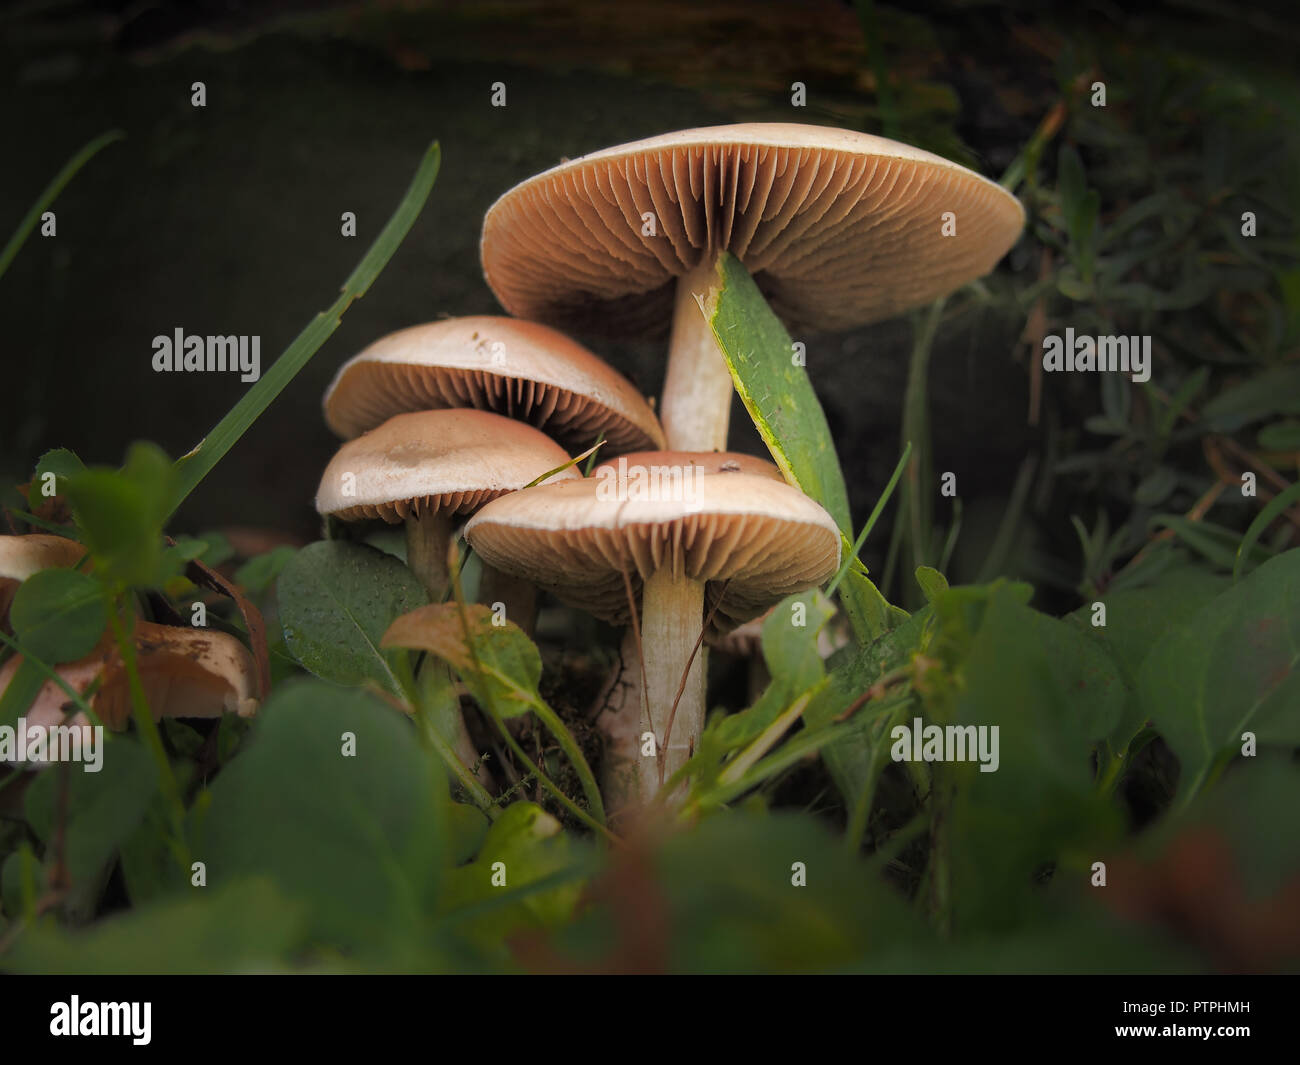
pixel 839 229
pixel 684 532
pixel 426 467
pixel 185 673
pixel 21 556
pixel 518 369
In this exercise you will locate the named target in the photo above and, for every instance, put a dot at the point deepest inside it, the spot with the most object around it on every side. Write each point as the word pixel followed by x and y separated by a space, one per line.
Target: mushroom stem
pixel 627 781
pixel 517 596
pixel 672 615
pixel 697 387
pixel 428 538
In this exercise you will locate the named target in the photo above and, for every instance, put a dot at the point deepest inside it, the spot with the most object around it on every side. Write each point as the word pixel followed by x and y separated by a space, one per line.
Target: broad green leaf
pixel 121 513
pixel 62 463
pixel 776 392
pixel 1135 621
pixel 498 663
pixel 932 582
pixel 743 865
pixel 467 827
pixel 853 671
pixel 790 639
pixel 59 614
pixel 247 926
pixel 336 600
pixel 525 845
pixel 356 837
pixel 785 410
pixel 1026 675
pixel 104 809
pixel 1228 669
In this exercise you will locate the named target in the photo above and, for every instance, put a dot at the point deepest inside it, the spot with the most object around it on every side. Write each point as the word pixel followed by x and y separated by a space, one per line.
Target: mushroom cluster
pixel 443 418
pixel 839 229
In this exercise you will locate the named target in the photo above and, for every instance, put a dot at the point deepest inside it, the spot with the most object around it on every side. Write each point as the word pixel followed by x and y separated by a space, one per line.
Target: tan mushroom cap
pixel 764 538
pixel 839 228
pixel 707 461
pixel 520 369
pixel 439 461
pixel 21 556
pixel 186 672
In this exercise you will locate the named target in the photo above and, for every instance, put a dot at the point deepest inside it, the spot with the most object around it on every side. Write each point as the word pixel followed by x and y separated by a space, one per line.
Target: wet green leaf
pixel 1228 669
pixel 336 600
pixel 59 614
pixel 355 837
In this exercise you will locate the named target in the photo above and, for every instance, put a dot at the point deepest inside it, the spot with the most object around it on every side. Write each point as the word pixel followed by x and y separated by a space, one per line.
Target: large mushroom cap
pixel 440 461
pixel 519 369
pixel 839 228
pixel 752 539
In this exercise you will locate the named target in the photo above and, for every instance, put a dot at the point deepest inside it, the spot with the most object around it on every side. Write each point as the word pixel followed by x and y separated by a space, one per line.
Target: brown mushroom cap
pixel 520 369
pixel 439 461
pixel 186 672
pixel 839 228
pixel 760 536
pixel 21 556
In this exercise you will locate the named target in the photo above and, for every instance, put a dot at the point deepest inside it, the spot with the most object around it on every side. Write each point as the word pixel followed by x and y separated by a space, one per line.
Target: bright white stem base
pixel 428 538
pixel 672 614
pixel 696 406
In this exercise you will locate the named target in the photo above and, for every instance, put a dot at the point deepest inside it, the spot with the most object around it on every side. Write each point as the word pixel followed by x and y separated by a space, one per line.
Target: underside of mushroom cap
pixel 839 228
pixel 441 461
pixel 519 369
pixel 751 538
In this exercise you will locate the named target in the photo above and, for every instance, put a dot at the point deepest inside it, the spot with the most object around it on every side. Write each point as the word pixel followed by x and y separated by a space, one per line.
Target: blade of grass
pixel 871 521
pixel 51 193
pixel 1265 518
pixel 198 463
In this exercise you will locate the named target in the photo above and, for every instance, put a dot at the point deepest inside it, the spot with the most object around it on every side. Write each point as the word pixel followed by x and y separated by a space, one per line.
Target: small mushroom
pixel 428 467
pixel 185 673
pixel 725 544
pixel 839 229
pixel 514 368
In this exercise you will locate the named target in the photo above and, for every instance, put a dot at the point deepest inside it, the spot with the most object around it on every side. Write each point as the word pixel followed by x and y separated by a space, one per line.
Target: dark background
pixel 226 219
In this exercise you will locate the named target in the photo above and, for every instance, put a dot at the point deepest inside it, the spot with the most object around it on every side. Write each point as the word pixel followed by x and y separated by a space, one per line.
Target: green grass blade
pixel 212 448
pixel 1265 518
pixel 51 193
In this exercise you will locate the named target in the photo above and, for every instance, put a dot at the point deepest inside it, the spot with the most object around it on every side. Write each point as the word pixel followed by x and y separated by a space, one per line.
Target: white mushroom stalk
pixel 696 412
pixel 739 540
